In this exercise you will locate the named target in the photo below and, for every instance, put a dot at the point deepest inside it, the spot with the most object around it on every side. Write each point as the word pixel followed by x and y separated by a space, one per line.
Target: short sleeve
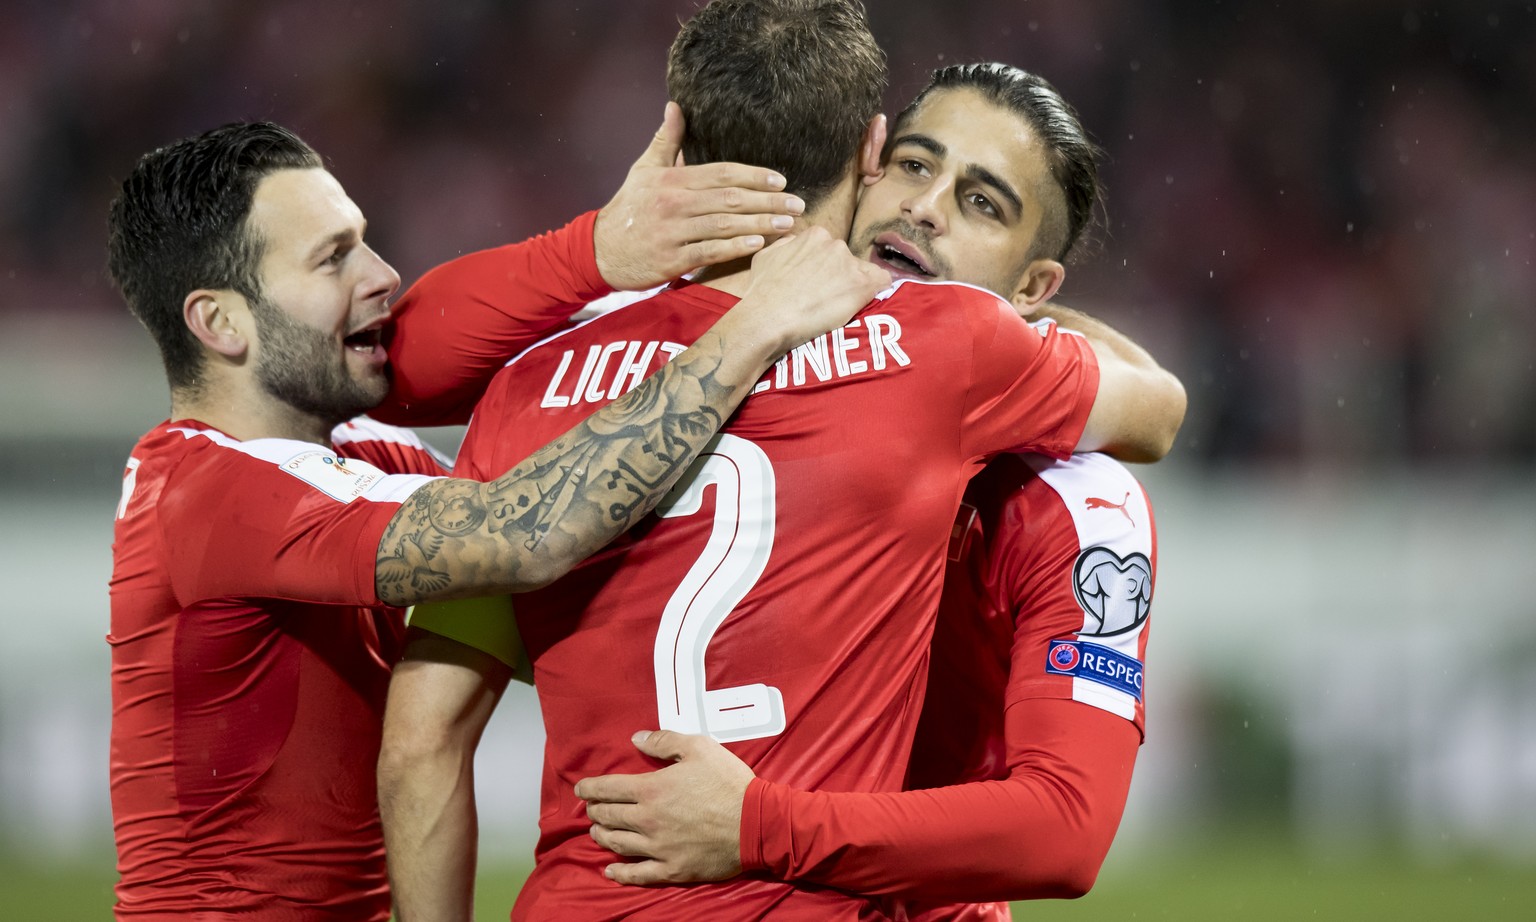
pixel 277 519
pixel 1032 385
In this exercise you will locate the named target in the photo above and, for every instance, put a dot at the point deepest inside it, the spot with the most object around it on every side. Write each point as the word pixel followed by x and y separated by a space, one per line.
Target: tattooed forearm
pixel 567 500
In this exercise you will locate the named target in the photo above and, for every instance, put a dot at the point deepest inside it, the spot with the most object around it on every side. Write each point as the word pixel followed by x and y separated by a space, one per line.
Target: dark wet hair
pixel 180 224
pixel 1072 157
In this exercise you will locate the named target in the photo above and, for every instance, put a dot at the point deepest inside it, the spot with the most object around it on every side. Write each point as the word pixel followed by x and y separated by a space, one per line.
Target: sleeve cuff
pixel 583 255
pixel 752 858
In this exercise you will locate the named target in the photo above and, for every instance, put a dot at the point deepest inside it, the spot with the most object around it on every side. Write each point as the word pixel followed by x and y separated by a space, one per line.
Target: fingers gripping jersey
pixel 781 598
pixel 250 659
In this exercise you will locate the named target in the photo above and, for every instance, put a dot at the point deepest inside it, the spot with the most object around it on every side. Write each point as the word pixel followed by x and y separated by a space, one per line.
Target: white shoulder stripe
pixel 602 307
pixel 1106 502
pixel 366 429
pixel 1040 325
pixel 1112 576
pixel 319 466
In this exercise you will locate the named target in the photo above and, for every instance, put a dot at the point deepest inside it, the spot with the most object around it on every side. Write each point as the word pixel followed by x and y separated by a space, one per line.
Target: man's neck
pixel 834 212
pixel 245 413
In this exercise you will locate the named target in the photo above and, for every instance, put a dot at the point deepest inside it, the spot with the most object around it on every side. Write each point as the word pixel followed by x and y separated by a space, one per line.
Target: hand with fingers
pixel 668 219
pixel 804 285
pixel 683 821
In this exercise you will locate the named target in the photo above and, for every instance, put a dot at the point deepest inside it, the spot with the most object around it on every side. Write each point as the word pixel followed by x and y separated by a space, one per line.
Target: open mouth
pixel 900 261
pixel 365 341
pixel 901 257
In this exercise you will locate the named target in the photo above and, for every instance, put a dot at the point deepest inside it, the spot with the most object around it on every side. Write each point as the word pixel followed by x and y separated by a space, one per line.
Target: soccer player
pixel 264 545
pixel 784 597
pixel 1035 690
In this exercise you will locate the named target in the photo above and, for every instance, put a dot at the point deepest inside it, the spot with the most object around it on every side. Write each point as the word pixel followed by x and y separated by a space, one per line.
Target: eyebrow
pixel 972 171
pixel 985 176
pixel 921 140
pixel 349 235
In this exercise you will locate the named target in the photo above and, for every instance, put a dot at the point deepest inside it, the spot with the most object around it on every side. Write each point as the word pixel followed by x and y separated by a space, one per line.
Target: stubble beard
pixel 299 366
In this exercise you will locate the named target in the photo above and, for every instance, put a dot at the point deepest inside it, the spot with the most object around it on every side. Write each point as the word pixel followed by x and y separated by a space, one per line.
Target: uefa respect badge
pixel 1083 660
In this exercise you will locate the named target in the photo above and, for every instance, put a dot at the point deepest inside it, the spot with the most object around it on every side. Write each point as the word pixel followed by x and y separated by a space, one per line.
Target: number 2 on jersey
pixel 730 565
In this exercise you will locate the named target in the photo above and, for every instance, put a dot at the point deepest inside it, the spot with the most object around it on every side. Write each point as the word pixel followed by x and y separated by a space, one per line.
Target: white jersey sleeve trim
pixel 344 480
pixel 609 303
pixel 602 307
pixel 366 429
pixel 1041 326
pixel 1112 577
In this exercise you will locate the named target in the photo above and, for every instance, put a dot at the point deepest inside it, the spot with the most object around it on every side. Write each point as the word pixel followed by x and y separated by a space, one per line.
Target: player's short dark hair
pixel 785 84
pixel 180 224
pixel 1073 158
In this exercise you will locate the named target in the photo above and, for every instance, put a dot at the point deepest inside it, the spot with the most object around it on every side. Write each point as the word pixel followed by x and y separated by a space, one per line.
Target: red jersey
pixel 456 327
pixel 250 661
pixel 1045 609
pixel 783 596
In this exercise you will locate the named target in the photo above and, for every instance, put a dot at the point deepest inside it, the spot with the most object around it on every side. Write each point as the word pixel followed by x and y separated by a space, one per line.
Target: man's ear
pixel 1039 283
pixel 872 149
pixel 220 321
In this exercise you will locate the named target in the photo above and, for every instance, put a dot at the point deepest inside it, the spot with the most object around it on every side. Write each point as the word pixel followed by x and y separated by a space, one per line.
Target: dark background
pixel 1319 213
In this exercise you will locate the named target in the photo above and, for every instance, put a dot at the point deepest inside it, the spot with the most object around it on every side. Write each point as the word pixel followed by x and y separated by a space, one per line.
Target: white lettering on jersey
pixel 631 369
pixel 842 344
pixel 595 389
pixel 885 339
pixel 828 357
pixel 824 361
pixel 552 399
pixel 595 383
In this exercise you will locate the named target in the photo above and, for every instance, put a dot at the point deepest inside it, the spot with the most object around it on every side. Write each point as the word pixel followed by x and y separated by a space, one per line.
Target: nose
pixel 926 207
pixel 379 280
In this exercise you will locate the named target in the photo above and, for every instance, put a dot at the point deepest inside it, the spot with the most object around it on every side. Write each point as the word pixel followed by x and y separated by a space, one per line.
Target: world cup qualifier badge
pixel 340 478
pixel 1083 660
pixel 1115 591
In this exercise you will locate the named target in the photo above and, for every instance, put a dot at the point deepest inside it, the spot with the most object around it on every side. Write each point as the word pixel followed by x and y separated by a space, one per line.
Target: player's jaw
pixel 902 249
pixel 331 375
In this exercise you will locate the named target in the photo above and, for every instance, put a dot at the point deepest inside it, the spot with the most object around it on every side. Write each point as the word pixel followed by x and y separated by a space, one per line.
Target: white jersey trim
pixel 319 466
pixel 1115 531
pixel 367 429
pixel 1041 326
pixel 602 307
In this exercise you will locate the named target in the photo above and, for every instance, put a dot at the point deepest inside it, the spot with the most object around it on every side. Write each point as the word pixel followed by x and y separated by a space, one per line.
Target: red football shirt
pixel 456 327
pixel 246 720
pixel 1045 610
pixel 782 598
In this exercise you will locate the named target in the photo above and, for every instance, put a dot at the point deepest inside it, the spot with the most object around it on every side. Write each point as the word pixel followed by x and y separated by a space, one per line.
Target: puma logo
pixel 1093 502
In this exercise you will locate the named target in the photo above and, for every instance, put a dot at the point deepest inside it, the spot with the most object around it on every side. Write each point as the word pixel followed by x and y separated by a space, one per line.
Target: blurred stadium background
pixel 1321 215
